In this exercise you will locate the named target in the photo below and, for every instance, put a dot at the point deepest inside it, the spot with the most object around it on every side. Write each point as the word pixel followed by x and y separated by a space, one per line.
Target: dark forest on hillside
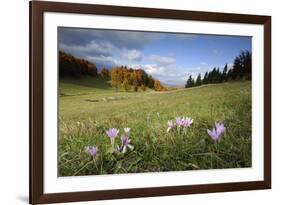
pixel 75 67
pixel 241 70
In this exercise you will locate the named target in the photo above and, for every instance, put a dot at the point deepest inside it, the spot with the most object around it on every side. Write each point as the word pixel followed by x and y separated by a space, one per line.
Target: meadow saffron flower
pixel 112 134
pixel 170 125
pixel 217 131
pixel 125 142
pixel 186 122
pixel 92 151
pixel 183 122
pixel 127 130
pixel 220 128
pixel 178 121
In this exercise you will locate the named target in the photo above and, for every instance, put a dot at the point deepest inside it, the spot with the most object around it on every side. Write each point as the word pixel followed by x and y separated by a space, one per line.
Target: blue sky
pixel 169 57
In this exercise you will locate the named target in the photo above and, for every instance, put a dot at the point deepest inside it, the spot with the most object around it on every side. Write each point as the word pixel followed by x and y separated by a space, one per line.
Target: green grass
pixel 89 106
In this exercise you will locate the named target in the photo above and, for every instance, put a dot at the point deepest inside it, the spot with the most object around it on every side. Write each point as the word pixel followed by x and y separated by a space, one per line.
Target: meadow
pixel 89 106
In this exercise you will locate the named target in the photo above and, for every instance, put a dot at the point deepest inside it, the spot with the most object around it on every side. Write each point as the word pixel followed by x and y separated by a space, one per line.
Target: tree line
pixel 241 69
pixel 121 77
pixel 75 67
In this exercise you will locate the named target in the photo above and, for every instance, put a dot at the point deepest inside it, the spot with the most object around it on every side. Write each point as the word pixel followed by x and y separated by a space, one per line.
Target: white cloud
pixel 173 74
pixel 203 63
pixel 134 55
pixel 103 52
pixel 94 47
pixel 162 60
pixel 105 60
pixel 169 75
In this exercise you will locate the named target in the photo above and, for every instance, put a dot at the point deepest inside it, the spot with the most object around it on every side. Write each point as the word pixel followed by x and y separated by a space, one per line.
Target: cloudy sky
pixel 169 57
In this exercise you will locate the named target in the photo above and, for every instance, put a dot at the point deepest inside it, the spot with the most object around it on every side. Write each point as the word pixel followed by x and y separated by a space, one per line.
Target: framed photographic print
pixel 139 102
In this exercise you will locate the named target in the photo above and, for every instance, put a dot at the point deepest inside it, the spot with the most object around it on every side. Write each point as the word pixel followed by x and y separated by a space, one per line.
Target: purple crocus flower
pixel 220 128
pixel 170 125
pixel 112 134
pixel 178 121
pixel 184 122
pixel 92 151
pixel 217 131
pixel 125 142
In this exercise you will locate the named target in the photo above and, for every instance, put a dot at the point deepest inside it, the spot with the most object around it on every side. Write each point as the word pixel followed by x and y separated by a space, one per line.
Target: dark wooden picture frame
pixel 37 9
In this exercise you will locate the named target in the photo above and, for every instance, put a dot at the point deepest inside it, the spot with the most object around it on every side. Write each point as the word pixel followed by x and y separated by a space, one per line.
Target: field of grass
pixel 89 106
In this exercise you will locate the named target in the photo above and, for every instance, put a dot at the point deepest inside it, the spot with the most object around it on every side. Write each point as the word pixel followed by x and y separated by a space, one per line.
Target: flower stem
pixel 96 165
pixel 112 142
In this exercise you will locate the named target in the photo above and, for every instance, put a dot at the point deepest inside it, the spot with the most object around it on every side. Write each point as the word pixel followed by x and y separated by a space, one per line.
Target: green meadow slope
pixel 90 106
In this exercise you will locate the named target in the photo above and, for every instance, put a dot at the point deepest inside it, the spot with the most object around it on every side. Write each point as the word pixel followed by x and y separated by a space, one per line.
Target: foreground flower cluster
pixel 184 122
pixel 112 134
pixel 180 123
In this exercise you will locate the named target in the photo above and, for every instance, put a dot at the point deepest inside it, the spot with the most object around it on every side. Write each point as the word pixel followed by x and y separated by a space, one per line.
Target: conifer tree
pixel 224 73
pixel 190 82
pixel 198 80
pixel 205 79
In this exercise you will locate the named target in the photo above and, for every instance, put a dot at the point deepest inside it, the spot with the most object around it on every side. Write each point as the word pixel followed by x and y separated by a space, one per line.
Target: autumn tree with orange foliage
pixel 158 86
pixel 137 79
